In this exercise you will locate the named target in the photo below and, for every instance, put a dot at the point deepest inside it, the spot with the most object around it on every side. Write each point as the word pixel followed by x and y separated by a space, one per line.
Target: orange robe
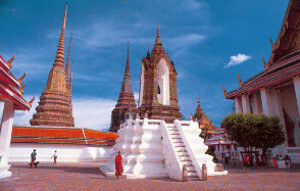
pixel 119 167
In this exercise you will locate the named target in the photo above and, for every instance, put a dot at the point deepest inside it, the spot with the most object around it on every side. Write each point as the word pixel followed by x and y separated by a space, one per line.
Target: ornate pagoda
pixel 205 124
pixel 276 90
pixel 55 105
pixel 158 89
pixel 125 107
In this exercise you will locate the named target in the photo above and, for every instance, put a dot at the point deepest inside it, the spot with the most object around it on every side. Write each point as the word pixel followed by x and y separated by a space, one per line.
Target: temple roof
pixel 10 87
pixel 284 62
pixel 59 135
pixel 288 40
pixel 218 138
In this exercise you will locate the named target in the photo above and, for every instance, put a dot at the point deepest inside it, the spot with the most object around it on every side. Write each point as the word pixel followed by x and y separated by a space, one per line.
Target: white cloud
pixel 93 113
pixel 238 59
pixel 23 117
pixel 191 4
pixel 88 113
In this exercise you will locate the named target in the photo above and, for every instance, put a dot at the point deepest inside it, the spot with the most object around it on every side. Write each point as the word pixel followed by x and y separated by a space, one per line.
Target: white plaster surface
pixel 20 152
pixel 149 152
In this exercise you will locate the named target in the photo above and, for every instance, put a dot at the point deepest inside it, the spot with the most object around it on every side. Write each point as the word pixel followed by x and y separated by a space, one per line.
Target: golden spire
pixel 21 78
pixel 71 77
pixel 8 63
pixel 157 41
pixel 68 59
pixel 60 50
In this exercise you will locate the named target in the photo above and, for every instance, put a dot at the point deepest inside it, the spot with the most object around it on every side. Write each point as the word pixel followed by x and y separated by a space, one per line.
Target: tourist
pixel 118 163
pixel 227 157
pixel 246 161
pixel 33 158
pixel 275 164
pixel 288 161
pixel 54 156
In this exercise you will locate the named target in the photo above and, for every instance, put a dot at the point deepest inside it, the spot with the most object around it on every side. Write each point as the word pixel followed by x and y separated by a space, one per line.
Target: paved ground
pixel 87 177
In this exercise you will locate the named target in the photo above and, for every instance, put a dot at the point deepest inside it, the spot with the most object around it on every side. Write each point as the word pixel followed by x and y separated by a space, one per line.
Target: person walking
pixel 33 158
pixel 54 156
pixel 118 165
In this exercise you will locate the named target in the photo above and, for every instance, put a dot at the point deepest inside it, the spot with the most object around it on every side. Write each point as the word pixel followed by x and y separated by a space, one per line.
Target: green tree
pixel 253 130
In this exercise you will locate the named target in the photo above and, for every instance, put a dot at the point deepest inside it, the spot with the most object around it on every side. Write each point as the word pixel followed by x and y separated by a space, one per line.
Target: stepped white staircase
pixel 155 149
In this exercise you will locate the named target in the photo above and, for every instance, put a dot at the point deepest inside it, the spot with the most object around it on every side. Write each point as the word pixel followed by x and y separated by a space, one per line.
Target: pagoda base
pixel 4 173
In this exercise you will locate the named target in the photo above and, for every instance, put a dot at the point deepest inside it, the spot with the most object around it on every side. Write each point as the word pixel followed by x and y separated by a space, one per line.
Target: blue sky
pixel 210 43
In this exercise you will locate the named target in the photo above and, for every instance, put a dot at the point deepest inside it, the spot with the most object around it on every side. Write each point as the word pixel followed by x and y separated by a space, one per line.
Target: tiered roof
pixel 10 87
pixel 284 62
pixel 49 135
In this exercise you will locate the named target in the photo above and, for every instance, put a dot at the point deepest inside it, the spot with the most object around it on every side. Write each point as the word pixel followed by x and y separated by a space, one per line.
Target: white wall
pixel 20 152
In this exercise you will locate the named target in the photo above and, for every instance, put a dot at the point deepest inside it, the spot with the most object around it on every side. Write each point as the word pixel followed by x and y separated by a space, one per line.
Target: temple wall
pixel 289 103
pixel 20 152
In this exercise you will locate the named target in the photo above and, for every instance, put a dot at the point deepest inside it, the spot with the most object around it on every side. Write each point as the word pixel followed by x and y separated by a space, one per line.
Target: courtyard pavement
pixel 88 177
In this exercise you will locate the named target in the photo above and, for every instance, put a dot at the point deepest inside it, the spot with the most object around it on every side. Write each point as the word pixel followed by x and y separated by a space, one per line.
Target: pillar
pixel 237 104
pixel 5 137
pixel 255 105
pixel 297 90
pixel 245 104
pixel 265 101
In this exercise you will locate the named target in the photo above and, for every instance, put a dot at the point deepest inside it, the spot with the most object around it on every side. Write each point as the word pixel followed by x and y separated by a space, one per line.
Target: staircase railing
pixel 172 162
pixel 182 126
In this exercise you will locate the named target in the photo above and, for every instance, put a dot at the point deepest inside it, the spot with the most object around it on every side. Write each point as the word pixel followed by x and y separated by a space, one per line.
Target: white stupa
pixel 155 149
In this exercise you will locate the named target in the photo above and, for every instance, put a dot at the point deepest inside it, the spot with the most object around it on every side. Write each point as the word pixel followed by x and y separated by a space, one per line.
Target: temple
pixel 158 89
pixel 125 107
pixel 11 91
pixel 55 105
pixel 205 124
pixel 276 90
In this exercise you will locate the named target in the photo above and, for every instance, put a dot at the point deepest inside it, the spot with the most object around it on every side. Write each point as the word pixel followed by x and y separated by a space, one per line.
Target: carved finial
pixel 240 80
pixel 22 88
pixel 224 90
pixel 265 63
pixel 31 101
pixel 273 45
pixel 8 63
pixel 21 78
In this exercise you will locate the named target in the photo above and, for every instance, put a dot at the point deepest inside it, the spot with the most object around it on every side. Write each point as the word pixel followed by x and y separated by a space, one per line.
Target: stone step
pixel 191 168
pixel 192 174
pixel 178 144
pixel 193 178
pixel 187 163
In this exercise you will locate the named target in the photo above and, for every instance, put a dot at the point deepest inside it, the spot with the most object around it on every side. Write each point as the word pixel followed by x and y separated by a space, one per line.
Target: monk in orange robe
pixel 119 167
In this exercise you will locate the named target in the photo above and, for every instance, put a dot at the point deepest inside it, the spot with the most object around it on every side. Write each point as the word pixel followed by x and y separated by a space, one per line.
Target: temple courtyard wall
pixel 19 152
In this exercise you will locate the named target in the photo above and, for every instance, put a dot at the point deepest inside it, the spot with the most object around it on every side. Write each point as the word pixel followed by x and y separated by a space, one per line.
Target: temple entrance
pixel 162 82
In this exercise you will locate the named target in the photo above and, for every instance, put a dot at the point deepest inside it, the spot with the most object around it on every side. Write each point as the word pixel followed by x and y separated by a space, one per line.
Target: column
pixel 5 137
pixel 245 104
pixel 264 100
pixel 238 107
pixel 297 90
pixel 255 103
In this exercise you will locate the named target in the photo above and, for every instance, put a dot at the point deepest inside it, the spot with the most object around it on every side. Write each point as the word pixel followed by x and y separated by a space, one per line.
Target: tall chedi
pixel 125 106
pixel 55 105
pixel 158 89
